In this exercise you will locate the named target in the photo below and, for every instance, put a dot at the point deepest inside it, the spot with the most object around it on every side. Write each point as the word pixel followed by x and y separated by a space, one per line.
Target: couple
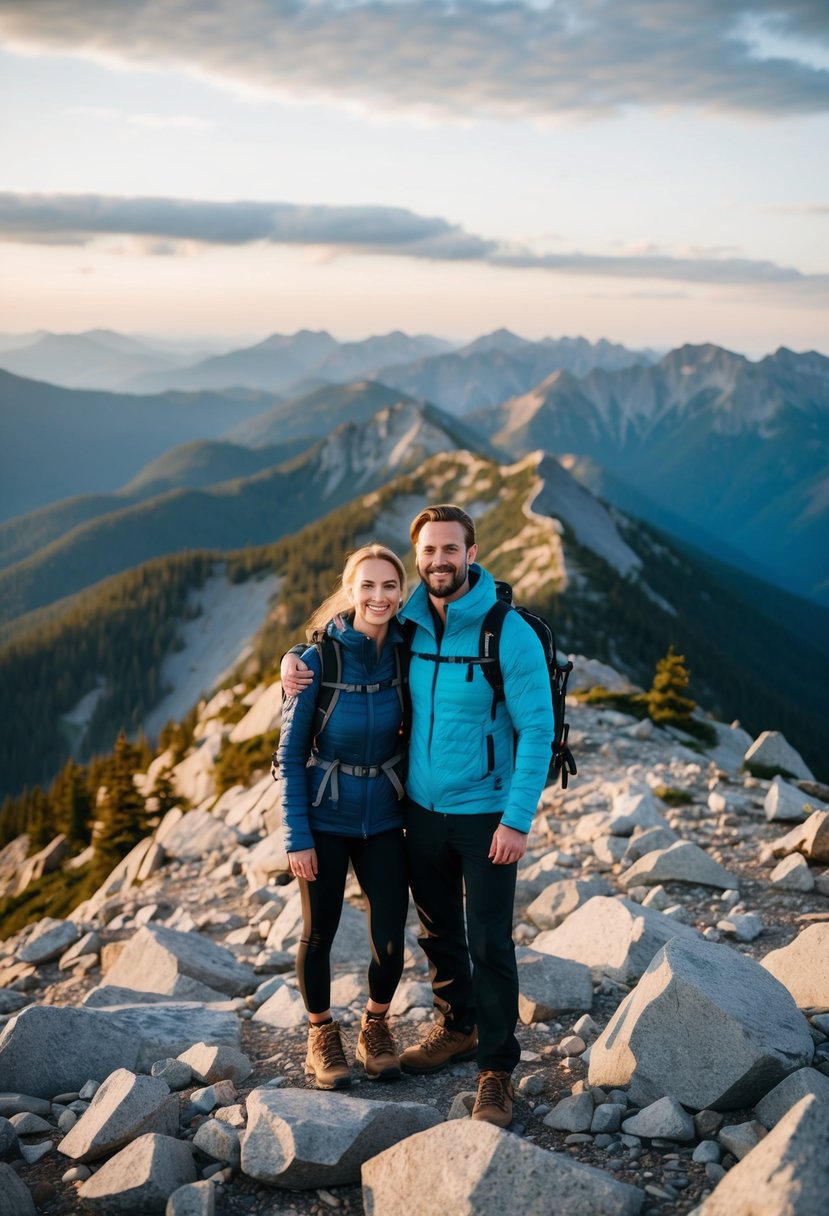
pixel 476 769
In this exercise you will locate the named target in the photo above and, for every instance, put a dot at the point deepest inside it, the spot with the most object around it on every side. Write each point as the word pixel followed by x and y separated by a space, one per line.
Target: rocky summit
pixel 672 924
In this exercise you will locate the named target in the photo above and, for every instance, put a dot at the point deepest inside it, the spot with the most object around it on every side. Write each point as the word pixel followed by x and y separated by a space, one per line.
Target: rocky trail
pixel 672 923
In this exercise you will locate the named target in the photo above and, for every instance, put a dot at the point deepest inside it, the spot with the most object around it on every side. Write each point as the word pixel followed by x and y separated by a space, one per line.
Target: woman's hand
pixel 304 864
pixel 295 675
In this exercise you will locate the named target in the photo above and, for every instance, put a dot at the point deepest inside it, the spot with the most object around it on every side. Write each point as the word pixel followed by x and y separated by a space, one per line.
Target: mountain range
pixel 732 449
pixel 715 468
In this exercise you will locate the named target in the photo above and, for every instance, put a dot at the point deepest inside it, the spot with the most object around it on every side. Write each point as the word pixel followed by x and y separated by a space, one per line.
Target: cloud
pixel 506 58
pixel 159 224
pixel 800 209
pixel 186 122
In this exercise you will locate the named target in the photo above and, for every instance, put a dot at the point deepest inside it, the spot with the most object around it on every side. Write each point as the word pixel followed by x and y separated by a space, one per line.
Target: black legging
pixel 380 866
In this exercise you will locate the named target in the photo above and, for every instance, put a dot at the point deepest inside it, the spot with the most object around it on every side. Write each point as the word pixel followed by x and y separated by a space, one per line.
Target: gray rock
pixel 174 1072
pixel 193 1199
pixel 90 943
pixel 198 833
pixel 480 1170
pixel 302 1138
pixel 50 938
pixel 211 1062
pixel 682 862
pixel 32 1153
pixel 784 801
pixel 9 1146
pixel 222 1093
pixel 635 809
pixel 12 1002
pixel 285 1009
pixel 705 1026
pixel 609 850
pixel 810 838
pixel 740 1138
pixel 792 874
pixel 607 1117
pixel 141 1178
pixel 771 753
pixel 27 1124
pixel 780 1100
pixel 559 899
pixel 649 840
pixel 707 1123
pixel 706 1150
pixel 125 1107
pixel 665 1118
pixel 169 1029
pixel 220 1141
pixel 180 964
pixel 572 1114
pixel 613 937
pixel 787 1173
pixel 548 985
pixel 15 1104
pixel 49 1048
pixel 15 1196
pixel 104 996
pixel 803 967
pixel 745 926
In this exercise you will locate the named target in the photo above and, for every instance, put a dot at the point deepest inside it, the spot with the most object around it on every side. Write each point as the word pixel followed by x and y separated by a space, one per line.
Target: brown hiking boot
pixel 441 1046
pixel 493 1102
pixel 326 1058
pixel 376 1050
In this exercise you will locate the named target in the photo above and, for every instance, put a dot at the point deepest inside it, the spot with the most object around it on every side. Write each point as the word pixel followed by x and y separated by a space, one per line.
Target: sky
pixel 649 171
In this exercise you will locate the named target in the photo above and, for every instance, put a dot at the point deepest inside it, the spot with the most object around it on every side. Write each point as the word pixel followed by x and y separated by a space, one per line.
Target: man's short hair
pixel 444 513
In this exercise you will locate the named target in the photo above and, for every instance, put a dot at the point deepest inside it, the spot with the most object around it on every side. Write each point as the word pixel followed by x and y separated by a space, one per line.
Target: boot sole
pixel 337 1083
pixel 418 1071
pixel 391 1072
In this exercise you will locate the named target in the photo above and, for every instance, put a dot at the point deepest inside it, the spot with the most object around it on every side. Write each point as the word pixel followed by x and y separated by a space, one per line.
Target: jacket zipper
pixel 439 641
pixel 369 735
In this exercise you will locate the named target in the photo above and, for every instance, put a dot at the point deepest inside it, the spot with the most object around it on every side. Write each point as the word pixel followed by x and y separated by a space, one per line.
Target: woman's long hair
pixel 339 601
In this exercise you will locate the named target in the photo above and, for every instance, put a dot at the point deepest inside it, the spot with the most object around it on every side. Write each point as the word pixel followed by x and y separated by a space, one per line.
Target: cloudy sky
pixel 651 171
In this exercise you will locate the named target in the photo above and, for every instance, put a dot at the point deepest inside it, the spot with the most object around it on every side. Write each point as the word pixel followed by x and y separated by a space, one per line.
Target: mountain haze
pixel 252 510
pixel 58 442
pixel 736 449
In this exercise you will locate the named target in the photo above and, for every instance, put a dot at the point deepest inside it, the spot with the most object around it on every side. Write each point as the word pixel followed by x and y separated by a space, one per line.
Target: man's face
pixel 443 559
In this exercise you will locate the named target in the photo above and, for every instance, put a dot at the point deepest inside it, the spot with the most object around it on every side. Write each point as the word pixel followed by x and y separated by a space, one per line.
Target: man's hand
pixel 304 864
pixel 507 846
pixel 295 675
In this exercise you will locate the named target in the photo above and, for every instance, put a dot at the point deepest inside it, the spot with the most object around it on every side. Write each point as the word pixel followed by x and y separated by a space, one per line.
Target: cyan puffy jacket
pixel 461 761
pixel 363 730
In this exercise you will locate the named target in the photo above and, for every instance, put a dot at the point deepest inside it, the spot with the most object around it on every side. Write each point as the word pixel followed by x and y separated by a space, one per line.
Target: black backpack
pixel 488 659
pixel 331 685
pixel 562 762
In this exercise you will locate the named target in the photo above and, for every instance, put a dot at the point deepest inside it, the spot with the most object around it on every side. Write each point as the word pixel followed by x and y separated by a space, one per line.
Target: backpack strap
pixel 489 647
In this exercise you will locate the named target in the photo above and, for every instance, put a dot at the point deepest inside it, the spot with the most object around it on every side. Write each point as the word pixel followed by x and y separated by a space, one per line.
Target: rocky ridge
pixel 672 919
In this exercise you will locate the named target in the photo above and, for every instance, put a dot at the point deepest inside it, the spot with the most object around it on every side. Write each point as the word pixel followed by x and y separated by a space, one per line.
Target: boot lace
pixel 492 1090
pixel 378 1038
pixel 436 1039
pixel 329 1045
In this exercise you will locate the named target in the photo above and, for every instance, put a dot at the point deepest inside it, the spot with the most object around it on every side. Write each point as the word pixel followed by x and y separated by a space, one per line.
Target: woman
pixel 341 763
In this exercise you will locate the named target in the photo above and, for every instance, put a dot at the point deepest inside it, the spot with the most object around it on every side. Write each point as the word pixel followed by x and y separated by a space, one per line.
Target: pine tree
pixel 72 803
pixel 666 698
pixel 122 813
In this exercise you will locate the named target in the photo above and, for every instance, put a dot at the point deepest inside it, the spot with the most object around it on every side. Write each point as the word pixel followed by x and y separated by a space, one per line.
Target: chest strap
pixel 332 767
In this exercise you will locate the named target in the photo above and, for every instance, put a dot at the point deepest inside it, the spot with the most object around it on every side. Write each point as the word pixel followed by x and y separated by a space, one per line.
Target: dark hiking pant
pixel 472 969
pixel 380 867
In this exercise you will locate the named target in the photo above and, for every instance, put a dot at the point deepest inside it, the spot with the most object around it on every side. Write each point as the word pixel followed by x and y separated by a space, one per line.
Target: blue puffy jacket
pixel 363 730
pixel 461 761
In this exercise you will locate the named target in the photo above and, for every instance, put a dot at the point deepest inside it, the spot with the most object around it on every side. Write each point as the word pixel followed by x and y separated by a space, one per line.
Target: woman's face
pixel 375 594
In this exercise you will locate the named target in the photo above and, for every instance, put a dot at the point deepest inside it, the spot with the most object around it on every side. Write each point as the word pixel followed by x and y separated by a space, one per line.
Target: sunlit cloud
pixel 163 226
pixel 184 122
pixel 504 58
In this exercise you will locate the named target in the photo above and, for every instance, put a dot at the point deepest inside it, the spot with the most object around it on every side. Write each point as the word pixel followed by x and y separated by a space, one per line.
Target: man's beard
pixel 448 586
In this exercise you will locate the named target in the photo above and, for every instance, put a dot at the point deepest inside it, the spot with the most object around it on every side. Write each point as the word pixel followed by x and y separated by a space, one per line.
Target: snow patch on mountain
pixel 212 643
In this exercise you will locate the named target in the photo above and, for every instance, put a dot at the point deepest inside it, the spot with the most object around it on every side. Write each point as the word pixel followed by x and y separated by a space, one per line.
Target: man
pixel 476 772
pixel 473 786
